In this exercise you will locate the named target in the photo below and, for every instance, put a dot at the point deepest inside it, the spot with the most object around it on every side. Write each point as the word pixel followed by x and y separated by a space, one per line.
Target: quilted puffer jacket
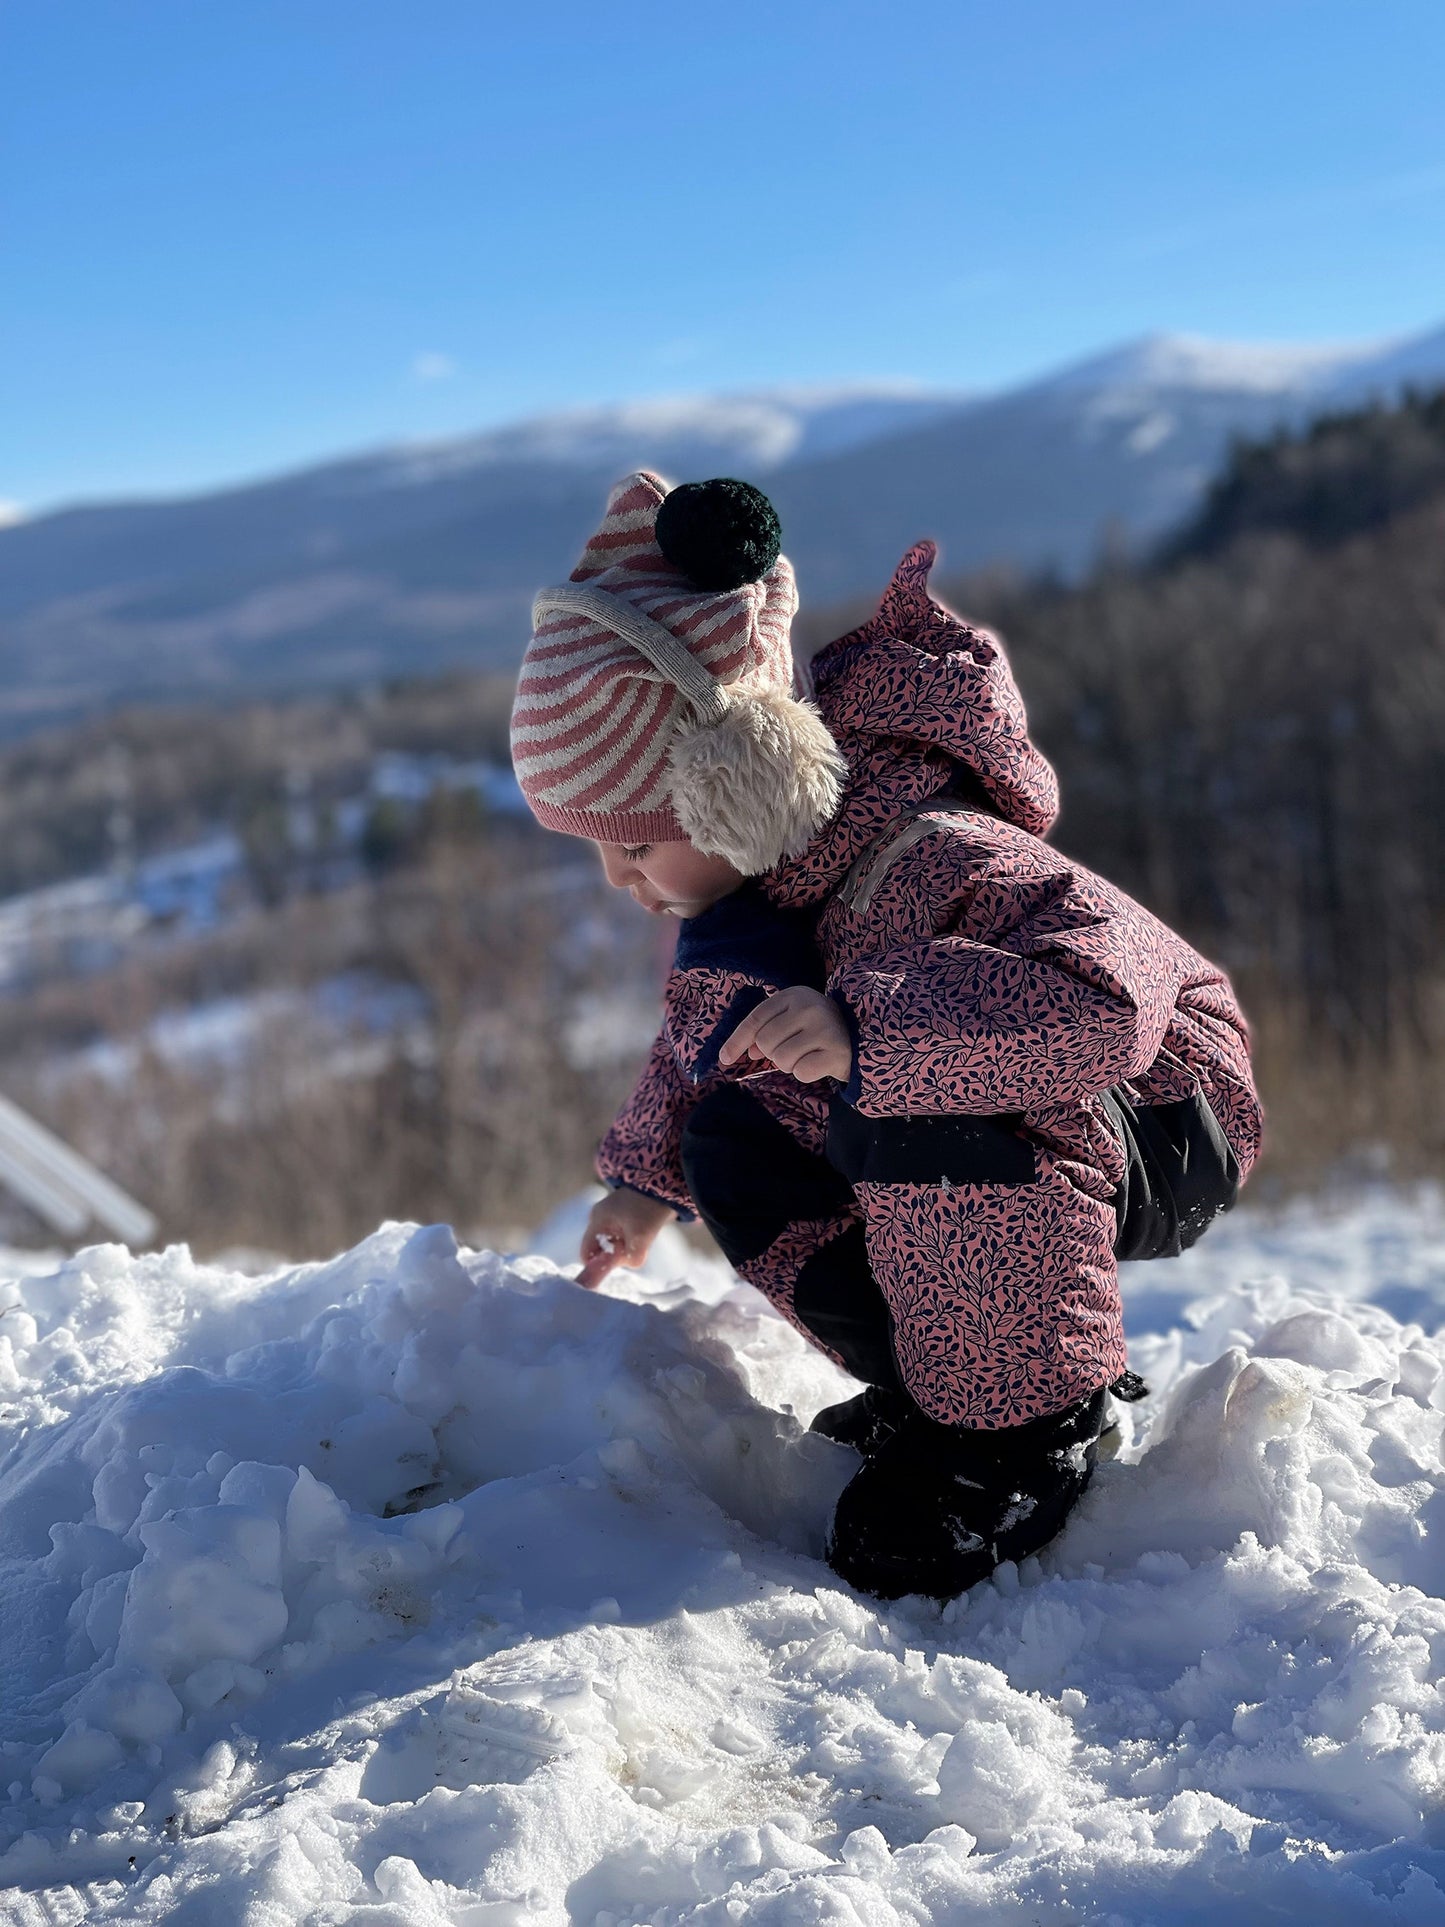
pixel 985 977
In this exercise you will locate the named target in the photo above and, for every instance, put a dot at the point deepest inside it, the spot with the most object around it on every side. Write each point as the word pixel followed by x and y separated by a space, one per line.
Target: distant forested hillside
pixel 1342 474
pixel 1251 737
pixel 145 779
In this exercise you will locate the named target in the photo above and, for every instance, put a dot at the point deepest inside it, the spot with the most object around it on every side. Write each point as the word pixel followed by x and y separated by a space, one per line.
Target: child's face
pixel 669 879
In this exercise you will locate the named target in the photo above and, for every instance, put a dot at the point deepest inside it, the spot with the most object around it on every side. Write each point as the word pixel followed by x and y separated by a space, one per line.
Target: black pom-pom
pixel 721 534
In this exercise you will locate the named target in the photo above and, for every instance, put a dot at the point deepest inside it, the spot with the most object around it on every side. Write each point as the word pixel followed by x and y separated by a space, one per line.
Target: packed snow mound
pixel 423 1586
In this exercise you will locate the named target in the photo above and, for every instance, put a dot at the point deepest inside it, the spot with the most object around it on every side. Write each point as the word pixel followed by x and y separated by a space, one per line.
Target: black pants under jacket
pixel 934 1508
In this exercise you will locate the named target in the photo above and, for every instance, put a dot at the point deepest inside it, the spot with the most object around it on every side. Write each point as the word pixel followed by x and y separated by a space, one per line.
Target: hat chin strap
pixel 661 648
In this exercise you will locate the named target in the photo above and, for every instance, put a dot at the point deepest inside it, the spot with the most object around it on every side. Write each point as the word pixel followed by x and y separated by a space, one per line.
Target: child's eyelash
pixel 633 855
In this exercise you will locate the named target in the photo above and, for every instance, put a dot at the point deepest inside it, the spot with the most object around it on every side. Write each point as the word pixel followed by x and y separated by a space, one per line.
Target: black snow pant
pixel 934 1508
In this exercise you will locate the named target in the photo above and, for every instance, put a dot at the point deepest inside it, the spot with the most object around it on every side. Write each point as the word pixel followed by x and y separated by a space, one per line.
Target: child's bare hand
pixel 798 1030
pixel 620 1231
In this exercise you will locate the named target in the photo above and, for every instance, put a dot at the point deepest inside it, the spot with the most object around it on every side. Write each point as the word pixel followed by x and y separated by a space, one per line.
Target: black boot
pixel 936 1508
pixel 864 1422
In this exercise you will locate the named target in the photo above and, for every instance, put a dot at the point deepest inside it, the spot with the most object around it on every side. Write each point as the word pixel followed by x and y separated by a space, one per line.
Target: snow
pixel 87 922
pixel 1417 360
pixel 761 430
pixel 403 777
pixel 601 1673
pixel 767 429
pixel 353 1022
pixel 1173 361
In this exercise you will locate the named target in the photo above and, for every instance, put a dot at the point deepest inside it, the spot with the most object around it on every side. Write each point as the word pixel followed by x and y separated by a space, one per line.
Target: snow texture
pixel 760 431
pixel 600 1674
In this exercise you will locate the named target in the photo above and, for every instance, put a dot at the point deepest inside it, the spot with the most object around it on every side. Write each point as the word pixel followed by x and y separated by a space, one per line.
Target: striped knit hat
pixel 651 707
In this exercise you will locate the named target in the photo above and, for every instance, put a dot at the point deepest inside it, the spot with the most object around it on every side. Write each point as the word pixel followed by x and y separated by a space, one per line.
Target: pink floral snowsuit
pixel 988 978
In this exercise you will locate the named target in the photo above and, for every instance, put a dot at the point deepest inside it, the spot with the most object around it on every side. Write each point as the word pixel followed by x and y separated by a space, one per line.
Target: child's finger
pixel 785 1027
pixel 739 1040
pixel 603 1248
pixel 602 1251
pixel 775 1009
pixel 595 1269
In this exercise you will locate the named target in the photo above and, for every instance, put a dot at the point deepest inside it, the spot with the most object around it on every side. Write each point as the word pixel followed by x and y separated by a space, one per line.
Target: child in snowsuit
pixel 922 1077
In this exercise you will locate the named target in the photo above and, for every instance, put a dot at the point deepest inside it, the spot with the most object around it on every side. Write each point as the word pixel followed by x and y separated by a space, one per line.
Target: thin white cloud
pixel 11 513
pixel 433 367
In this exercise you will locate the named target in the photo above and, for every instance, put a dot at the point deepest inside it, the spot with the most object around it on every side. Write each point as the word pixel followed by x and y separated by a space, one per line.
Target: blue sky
pixel 238 235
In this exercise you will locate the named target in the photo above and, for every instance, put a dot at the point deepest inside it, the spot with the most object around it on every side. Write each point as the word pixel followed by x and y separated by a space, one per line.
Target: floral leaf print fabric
pixel 643 1147
pixel 1045 983
pixel 1005 1300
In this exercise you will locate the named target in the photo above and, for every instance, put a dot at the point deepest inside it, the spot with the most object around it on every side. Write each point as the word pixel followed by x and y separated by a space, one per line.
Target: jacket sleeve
pixel 728 961
pixel 643 1147
pixel 1049 985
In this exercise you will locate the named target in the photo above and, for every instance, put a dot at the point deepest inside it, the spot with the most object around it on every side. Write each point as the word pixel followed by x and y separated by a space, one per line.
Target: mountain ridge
pixel 421 557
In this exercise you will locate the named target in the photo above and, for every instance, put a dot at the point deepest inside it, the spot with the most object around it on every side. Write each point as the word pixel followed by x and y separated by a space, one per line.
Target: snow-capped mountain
pixel 758 432
pixel 1418 361
pixel 418 557
pixel 1195 362
pixel 319 514
pixel 1122 445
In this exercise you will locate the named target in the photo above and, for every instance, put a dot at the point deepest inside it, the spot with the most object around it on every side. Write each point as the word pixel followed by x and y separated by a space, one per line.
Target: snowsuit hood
pixel 914 696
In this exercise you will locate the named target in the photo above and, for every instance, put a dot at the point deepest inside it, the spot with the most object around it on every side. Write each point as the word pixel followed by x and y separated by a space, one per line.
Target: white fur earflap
pixel 758 783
